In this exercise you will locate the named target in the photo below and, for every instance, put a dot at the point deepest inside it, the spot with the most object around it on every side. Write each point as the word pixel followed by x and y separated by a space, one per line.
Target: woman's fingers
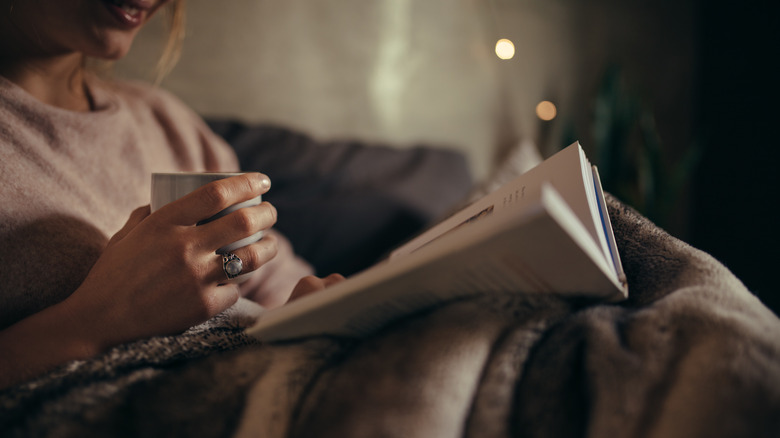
pixel 196 245
pixel 252 257
pixel 332 279
pixel 310 284
pixel 214 197
pixel 237 225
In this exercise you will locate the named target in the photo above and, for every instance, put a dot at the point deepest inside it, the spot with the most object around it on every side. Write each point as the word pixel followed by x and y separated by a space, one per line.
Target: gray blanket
pixel 691 353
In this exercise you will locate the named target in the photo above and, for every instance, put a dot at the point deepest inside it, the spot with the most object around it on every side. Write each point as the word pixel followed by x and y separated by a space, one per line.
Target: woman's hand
pixel 160 274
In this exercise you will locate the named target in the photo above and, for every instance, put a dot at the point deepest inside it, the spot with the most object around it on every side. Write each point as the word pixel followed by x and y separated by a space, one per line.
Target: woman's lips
pixel 128 13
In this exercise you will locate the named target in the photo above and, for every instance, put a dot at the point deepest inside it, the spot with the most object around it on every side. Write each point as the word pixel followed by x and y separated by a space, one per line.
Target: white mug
pixel 168 187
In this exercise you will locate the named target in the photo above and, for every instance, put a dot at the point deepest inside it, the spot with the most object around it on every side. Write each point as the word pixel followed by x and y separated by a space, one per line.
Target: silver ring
pixel 232 265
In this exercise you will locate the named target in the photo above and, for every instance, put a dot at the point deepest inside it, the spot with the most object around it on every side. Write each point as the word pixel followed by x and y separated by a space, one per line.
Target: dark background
pixel 734 216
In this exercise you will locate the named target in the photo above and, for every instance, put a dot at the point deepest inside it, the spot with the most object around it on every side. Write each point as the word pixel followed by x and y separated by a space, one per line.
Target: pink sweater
pixel 69 181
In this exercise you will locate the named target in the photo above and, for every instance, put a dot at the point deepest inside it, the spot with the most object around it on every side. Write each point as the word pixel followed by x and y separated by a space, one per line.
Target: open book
pixel 547 231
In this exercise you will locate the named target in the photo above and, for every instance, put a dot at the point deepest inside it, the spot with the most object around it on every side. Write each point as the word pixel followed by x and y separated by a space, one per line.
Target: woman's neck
pixel 56 81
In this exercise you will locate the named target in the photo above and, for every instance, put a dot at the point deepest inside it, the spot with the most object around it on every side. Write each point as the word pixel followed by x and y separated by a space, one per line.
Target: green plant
pixel 630 156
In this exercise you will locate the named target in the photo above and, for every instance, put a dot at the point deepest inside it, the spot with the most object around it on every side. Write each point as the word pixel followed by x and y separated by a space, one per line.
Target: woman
pixel 76 154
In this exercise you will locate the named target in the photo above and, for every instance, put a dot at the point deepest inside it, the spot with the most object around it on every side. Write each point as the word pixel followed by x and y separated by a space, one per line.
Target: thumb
pixel 311 284
pixel 138 215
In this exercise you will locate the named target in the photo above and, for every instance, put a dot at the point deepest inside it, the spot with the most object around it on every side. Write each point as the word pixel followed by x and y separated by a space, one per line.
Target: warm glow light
pixel 505 49
pixel 546 110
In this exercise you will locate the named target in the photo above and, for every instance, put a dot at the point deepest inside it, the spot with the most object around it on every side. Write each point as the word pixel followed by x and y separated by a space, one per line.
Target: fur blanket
pixel 691 353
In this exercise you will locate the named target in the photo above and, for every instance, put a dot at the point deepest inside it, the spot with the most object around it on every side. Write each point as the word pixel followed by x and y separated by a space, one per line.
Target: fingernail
pixel 265 183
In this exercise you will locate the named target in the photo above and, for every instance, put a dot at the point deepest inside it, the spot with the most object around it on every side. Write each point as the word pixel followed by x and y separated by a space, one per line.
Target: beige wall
pixel 406 71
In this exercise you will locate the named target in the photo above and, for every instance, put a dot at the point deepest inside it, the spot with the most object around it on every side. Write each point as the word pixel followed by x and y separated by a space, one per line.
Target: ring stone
pixel 232 265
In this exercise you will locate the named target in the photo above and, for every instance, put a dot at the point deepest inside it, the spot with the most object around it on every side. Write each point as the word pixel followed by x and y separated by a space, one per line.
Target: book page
pixel 568 171
pixel 608 232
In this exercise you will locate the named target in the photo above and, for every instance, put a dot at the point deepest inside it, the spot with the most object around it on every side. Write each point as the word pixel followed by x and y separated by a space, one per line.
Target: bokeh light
pixel 546 110
pixel 505 49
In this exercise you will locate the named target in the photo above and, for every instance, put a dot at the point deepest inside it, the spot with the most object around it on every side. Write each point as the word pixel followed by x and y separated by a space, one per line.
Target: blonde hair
pixel 176 30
